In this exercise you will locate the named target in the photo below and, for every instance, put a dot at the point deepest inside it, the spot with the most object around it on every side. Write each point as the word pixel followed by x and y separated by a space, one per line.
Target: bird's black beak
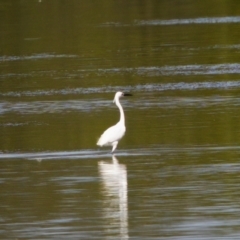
pixel 127 94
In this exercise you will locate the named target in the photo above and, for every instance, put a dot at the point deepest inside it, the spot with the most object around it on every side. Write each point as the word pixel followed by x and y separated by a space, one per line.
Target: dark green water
pixel 175 174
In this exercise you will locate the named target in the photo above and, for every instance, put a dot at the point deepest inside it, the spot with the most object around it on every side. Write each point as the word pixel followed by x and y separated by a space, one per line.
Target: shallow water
pixel 175 172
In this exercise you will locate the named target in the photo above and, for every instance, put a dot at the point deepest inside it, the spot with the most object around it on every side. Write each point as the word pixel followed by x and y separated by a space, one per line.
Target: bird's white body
pixel 113 134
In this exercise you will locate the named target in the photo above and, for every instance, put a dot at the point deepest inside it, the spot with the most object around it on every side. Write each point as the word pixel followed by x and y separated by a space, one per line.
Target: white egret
pixel 113 134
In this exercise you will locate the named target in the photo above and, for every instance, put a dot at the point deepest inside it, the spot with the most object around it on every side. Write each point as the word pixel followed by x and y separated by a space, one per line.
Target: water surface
pixel 175 173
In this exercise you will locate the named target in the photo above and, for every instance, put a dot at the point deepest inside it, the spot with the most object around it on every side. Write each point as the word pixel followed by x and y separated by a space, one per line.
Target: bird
pixel 113 134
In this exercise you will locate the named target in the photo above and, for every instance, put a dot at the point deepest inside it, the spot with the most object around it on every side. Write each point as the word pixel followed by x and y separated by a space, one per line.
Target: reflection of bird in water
pixel 113 134
pixel 115 201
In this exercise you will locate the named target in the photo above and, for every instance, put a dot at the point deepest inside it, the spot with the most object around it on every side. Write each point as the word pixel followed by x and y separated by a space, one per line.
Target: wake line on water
pixel 152 71
pixel 95 154
pixel 186 70
pixel 83 154
pixel 203 20
pixel 35 57
pixel 137 88
pixel 159 22
pixel 49 155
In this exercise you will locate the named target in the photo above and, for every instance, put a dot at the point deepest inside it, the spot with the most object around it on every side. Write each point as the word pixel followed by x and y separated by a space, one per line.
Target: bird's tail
pixel 99 142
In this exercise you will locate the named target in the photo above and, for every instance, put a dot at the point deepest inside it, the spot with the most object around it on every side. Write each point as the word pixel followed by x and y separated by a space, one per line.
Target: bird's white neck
pixel 122 117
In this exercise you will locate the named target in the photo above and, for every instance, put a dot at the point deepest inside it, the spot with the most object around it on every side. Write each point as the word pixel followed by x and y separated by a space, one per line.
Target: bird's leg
pixel 114 146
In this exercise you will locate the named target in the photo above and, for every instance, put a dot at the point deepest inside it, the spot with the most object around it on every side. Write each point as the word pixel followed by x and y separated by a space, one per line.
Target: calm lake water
pixel 175 174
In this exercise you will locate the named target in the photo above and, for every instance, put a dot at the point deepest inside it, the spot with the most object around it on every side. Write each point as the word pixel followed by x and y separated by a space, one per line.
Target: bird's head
pixel 120 94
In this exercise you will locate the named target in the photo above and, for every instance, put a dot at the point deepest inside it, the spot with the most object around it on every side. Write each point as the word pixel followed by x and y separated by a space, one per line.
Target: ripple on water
pixel 205 20
pixel 39 107
pixel 35 57
pixel 90 105
pixel 153 87
pixel 182 21
pixel 93 154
